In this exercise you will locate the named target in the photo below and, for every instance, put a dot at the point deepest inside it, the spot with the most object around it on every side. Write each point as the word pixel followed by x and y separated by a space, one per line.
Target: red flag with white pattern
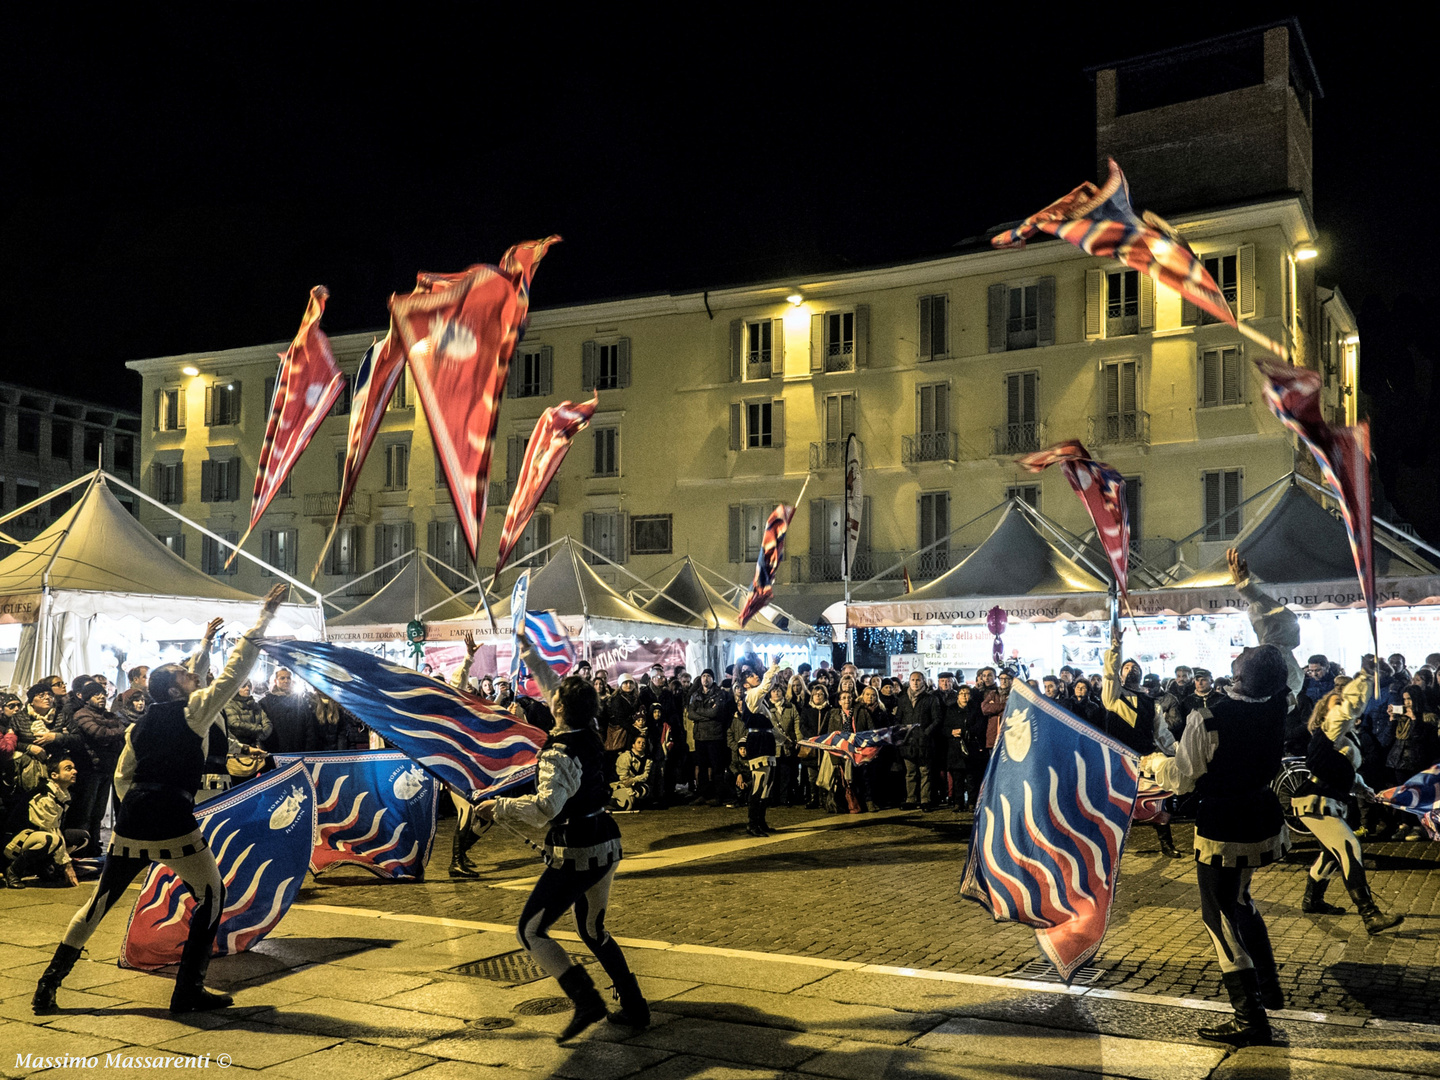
pixel 549 443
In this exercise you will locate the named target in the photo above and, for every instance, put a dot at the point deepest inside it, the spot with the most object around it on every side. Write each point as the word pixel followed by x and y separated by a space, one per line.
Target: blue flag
pixel 1420 795
pixel 261 834
pixel 1050 827
pixel 374 808
pixel 467 742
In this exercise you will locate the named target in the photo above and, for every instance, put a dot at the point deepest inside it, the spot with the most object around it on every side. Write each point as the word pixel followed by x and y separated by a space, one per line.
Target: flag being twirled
pixel 1420 795
pixel 860 746
pixel 1101 221
pixel 1102 490
pixel 1343 455
pixel 306 387
pixel 1050 827
pixel 549 443
pixel 767 566
pixel 548 636
pixel 464 740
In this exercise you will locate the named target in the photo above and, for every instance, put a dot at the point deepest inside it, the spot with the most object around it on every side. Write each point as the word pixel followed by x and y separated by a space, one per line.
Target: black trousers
pixel 1236 929
pixel 559 889
pixel 712 761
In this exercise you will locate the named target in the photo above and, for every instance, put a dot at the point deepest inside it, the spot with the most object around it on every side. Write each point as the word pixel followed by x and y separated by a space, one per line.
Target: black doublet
pixel 1236 805
pixel 169 762
pixel 582 822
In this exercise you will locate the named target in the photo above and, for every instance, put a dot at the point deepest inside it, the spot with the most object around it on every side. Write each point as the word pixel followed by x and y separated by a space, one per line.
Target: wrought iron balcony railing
pixel 323 504
pixel 830 454
pixel 1020 438
pixel 929 446
pixel 1125 427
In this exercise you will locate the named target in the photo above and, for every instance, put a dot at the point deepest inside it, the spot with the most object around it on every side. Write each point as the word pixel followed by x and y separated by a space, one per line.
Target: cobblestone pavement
pixel 883 889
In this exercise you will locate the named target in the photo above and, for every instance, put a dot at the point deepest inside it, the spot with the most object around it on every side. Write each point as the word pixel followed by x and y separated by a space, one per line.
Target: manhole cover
pixel 515 969
pixel 490 1023
pixel 543 1006
pixel 1044 971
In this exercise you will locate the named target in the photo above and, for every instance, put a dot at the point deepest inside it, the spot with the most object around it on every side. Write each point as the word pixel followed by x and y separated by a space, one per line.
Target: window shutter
pixel 777 348
pixel 512 379
pixel 1230 377
pixel 819 526
pixel 1094 304
pixel 588 533
pixel 737 349
pixel 266 543
pixel 1147 302
pixel 1012 399
pixel 997 306
pixel 1045 323
pixel 942 407
pixel 207 480
pixel 927 346
pixel 737 540
pixel 236 397
pixel 777 423
pixel 513 454
pixel 209 406
pixel 1245 272
pixel 735 425
pixel 939 325
pixel 1211 492
pixel 1129 395
pixel 157 478
pixel 623 349
pixel 588 353
pixel 547 370
pixel 1232 502
pixel 817 342
pixel 156 418
pixel 180 396
pixel 1209 378
pixel 542 529
pixel 621 546
pixel 1112 389
pixel 862 335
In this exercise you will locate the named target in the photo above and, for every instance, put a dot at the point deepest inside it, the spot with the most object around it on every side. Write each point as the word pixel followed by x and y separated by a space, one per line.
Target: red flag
pixel 1102 490
pixel 379 373
pixel 549 443
pixel 1343 455
pixel 459 332
pixel 306 387
pixel 767 567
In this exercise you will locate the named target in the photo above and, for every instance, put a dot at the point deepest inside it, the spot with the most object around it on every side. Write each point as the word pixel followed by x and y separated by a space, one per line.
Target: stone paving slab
pixel 780 978
pixel 867 1061
pixel 402 1028
pixel 252 1044
pixel 689 1067
pixel 31 1039
pixel 352 1061
pixel 800 1013
pixel 137 1026
pixel 755 1040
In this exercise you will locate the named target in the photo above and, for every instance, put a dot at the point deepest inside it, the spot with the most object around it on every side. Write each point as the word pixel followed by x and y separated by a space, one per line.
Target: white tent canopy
pixel 416 592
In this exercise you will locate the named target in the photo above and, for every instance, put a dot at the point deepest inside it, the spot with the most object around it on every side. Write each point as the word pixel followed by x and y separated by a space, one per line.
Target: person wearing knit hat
pixel 1228 755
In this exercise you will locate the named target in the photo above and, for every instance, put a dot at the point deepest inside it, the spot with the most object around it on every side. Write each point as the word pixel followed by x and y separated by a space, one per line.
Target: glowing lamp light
pixel 1353 339
pixel 1304 253
pixel 795 299
pixel 189 369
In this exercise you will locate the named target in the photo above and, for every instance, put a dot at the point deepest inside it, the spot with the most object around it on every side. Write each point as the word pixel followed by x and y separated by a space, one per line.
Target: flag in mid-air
pixel 463 739
pixel 1101 221
pixel 308 382
pixel 1102 490
pixel 548 636
pixel 860 746
pixel 549 443
pixel 373 809
pixel 1343 454
pixel 1420 795
pixel 1050 827
pixel 459 332
pixel 379 374
pixel 260 834
pixel 767 566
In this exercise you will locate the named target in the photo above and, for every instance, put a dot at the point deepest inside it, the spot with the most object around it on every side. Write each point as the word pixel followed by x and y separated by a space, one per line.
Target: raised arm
pixel 199 664
pixel 754 697
pixel 208 702
pixel 1112 694
pixel 1274 623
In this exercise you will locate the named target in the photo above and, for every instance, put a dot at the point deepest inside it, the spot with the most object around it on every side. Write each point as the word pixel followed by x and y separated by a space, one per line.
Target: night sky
pixel 178 185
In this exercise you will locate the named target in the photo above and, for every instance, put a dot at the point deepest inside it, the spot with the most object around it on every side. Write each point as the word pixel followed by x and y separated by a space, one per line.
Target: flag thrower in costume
pixel 459 332
pixel 379 374
pixel 548 445
pixel 306 387
pixel 767 566
pixel 462 739
pixel 1102 490
pixel 1101 221
pixel 1343 455
pixel 1050 827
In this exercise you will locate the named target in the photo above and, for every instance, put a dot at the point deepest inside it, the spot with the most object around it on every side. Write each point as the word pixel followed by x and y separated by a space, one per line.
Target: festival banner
pixel 261 833
pixel 549 443
pixel 519 593
pixel 1050 827
pixel 854 502
pixel 767 566
pixel 1102 490
pixel 374 808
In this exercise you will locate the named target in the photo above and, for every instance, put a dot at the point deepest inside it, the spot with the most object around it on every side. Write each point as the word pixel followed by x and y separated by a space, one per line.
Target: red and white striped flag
pixel 1102 489
pixel 549 443
pixel 767 566
pixel 306 387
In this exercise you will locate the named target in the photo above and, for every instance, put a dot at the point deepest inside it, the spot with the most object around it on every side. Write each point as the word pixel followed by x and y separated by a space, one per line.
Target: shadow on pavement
pixel 1392 991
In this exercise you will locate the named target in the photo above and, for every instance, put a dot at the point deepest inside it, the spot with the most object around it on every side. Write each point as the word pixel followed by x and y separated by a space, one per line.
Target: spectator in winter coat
pixel 1414 748
pixel 710 715
pixel 40 730
pixel 291 716
pixel 1085 705
pixel 634 776
pixel 104 735
pixel 955 713
pixel 920 708
pixel 1203 691
pixel 785 718
pixel 993 706
pixel 814 722
pixel 245 721
pixel 136 697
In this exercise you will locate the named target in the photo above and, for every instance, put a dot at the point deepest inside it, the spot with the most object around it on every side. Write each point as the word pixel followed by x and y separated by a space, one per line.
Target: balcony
pixel 757 366
pixel 816 569
pixel 324 505
pixel 1019 438
pixel 929 446
pixel 830 454
pixel 840 356
pixel 1121 428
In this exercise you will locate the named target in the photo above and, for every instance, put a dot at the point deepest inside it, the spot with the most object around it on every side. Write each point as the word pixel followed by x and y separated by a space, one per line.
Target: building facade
pixel 716 406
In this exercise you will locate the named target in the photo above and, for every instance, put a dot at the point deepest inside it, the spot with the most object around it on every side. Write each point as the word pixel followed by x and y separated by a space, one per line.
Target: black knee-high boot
pixel 44 1001
pixel 190 994
pixel 1249 1026
pixel 589 1005
pixel 464 840
pixel 1314 900
pixel 1375 919
pixel 1167 841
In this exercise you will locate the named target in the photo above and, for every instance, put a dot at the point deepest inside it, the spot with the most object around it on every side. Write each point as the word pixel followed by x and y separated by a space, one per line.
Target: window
pixel 747 529
pixel 532 372
pixel 535 537
pixel 443 540
pixel 934 338
pixel 92 441
pixel 1220 376
pixel 170 409
pixel 827 541
pixel 606 533
pixel 397 467
pixel 607 452
pixel 342 403
pixel 222 403
pixel 757 424
pixel 1021 433
pixel 175 542
pixel 934 528
pixel 840 341
pixel 1234 274
pixel 1029 494
pixel 1122 411
pixel 60 503
pixel 650 535
pixel 122 453
pixel 1132 510
pixel 758 415
pixel 28 433
pixel 62 439
pixel 1022 314
pixel 1122 303
pixel 213 555
pixel 605 366
pixel 279 548
pixel 763 343
pixel 169 482
pixel 932 424
pixel 220 480
pixel 284 490
pixel 391 542
pixel 400 397
pixel 343 558
pixel 26 492
pixel 1222 504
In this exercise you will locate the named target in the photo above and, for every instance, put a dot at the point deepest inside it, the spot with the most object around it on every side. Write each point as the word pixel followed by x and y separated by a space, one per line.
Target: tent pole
pixel 642 581
pixel 1403 536
pixel 43 499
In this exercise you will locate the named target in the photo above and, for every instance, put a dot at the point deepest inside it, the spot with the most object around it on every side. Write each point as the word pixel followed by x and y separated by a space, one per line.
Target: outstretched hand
pixel 1239 568
pixel 274 598
pixel 470 646
pixel 213 628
